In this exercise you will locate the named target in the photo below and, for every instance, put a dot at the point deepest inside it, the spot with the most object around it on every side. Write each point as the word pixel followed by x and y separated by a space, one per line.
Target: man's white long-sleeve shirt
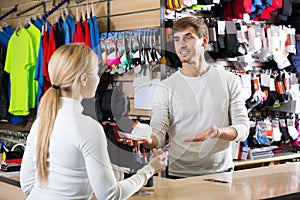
pixel 78 161
pixel 184 106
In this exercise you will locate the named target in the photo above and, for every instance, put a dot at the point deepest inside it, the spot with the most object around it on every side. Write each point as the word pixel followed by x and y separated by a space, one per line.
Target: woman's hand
pixel 159 160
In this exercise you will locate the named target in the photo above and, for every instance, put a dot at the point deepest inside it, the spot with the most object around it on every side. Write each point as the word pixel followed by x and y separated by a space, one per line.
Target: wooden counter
pixel 8 191
pixel 256 183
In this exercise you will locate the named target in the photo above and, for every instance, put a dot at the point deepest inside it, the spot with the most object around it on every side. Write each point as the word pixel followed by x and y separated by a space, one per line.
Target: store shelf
pixel 290 107
pixel 279 158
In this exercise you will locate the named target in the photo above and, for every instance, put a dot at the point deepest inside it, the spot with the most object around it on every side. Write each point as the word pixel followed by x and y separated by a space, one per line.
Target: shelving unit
pixel 279 158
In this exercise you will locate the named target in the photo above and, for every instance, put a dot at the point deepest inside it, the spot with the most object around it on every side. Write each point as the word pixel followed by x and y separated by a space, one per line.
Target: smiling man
pixel 200 107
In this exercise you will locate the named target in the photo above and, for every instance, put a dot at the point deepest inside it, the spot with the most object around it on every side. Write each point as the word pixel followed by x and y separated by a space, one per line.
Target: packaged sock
pixel 284 130
pixel 261 134
pixel 297 140
pixel 292 129
pixel 276 136
pixel 112 57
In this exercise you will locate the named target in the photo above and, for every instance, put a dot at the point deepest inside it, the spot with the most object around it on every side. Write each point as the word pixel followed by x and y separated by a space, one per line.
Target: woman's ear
pixel 83 79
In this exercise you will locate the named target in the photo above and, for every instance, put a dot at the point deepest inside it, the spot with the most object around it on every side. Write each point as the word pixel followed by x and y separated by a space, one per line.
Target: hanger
pixel 83 14
pixel 62 14
pixel 77 15
pixel 92 6
pixel 88 10
pixel 19 26
pixel 27 22
pixel 5 24
pixel 46 26
pixel 34 17
pixel 39 15
pixel 43 29
pixel 66 11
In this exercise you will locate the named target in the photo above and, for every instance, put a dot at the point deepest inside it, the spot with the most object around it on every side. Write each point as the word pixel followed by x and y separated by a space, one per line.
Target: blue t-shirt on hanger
pixel 9 30
pixel 92 33
pixel 71 22
pixel 97 39
pixel 39 72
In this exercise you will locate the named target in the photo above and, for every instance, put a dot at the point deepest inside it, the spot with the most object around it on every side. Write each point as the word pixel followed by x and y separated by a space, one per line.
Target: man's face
pixel 187 45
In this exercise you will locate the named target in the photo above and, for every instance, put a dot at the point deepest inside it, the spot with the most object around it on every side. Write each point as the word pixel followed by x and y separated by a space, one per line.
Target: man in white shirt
pixel 200 107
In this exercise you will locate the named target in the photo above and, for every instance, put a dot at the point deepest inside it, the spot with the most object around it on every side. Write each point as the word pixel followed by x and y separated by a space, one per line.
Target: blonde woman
pixel 66 152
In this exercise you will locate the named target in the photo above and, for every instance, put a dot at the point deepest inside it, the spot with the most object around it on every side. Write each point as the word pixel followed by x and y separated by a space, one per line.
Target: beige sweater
pixel 184 106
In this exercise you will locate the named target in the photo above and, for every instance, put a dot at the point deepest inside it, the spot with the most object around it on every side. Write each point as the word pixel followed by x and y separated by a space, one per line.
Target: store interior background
pixel 120 15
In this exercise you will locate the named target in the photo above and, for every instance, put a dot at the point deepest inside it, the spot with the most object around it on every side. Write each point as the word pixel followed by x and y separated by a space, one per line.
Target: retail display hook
pixel 50 12
pixel 14 9
pixel 30 8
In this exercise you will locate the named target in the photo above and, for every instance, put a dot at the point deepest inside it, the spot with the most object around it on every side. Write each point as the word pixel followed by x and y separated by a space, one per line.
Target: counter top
pixel 256 183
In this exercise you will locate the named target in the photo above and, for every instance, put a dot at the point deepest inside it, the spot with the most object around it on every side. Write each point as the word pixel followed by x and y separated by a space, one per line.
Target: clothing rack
pixel 50 12
pixel 14 9
pixel 30 8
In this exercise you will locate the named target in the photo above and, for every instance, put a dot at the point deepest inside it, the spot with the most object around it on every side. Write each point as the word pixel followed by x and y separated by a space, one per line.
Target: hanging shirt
pixel 39 71
pixel 97 39
pixel 38 24
pixel 87 37
pixel 50 49
pixel 59 33
pixel 9 30
pixel 92 33
pixel 35 35
pixel 78 34
pixel 4 39
pixel 266 14
pixel 71 22
pixel 3 86
pixel 20 70
pixel 236 9
pixel 45 54
pixel 5 34
pixel 67 31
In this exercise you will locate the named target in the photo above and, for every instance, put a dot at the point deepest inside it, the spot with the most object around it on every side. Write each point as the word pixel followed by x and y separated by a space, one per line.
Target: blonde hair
pixel 66 66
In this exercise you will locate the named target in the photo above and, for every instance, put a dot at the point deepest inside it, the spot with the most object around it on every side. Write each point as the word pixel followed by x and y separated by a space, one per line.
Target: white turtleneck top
pixel 79 163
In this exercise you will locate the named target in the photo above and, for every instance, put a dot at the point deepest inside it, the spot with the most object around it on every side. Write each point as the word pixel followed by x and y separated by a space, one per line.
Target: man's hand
pixel 210 132
pixel 135 142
